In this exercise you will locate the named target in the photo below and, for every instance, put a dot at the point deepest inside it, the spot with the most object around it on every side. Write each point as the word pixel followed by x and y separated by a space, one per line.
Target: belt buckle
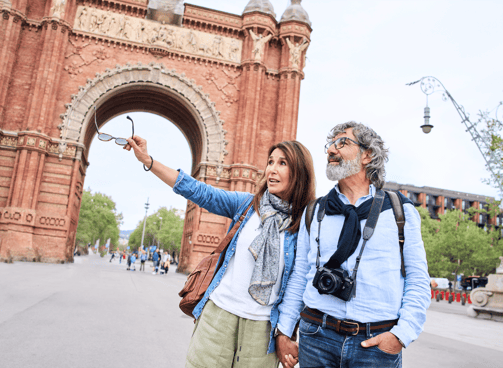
pixel 353 323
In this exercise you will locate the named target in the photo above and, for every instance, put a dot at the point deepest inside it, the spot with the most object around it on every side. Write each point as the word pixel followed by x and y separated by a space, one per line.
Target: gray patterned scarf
pixel 275 218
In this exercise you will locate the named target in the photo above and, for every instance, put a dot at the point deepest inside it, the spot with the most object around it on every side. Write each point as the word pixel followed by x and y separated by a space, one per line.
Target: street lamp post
pixel 430 85
pixel 158 238
pixel 144 222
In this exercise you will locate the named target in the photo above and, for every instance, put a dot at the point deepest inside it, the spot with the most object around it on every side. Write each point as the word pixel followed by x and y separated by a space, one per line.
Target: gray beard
pixel 345 169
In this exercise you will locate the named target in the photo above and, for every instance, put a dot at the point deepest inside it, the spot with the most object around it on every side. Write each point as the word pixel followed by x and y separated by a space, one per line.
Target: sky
pixel 362 54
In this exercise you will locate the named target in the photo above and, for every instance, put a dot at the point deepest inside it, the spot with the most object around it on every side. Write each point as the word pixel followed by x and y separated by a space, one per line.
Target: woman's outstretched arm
pixel 139 146
pixel 218 201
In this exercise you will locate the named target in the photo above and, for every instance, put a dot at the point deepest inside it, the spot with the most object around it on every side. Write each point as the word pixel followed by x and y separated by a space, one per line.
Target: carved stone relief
pixel 8 141
pixel 155 34
pixel 229 88
pixel 74 68
pixel 58 8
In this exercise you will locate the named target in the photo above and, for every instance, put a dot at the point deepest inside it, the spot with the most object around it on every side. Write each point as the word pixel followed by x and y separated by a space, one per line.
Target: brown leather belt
pixel 346 327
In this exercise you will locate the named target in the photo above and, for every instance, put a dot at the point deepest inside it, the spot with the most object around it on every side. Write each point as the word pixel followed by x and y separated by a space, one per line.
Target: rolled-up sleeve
pixel 217 201
pixel 416 294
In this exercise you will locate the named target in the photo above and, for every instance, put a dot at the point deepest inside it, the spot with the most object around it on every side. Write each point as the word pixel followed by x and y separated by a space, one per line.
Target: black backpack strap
pixel 310 212
pixel 397 205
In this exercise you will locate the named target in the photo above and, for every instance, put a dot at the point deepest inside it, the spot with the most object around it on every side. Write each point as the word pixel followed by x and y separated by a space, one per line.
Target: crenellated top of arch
pixel 78 112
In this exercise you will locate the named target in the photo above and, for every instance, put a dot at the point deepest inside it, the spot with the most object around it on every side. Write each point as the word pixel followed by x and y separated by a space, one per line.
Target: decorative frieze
pixel 152 34
pixel 9 141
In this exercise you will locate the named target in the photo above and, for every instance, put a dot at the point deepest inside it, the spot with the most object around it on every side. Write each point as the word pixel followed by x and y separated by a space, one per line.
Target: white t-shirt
pixel 232 292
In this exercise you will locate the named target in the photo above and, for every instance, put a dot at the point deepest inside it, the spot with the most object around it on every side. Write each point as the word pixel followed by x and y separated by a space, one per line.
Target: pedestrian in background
pixel 128 261
pixel 113 255
pixel 133 260
pixel 165 263
pixel 156 258
pixel 143 258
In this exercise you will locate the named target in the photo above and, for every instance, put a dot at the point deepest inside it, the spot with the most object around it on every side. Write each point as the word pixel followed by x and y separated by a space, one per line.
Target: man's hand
pixel 386 341
pixel 287 351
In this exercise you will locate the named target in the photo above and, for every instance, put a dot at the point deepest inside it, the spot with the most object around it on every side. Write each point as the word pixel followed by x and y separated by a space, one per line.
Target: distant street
pixel 96 314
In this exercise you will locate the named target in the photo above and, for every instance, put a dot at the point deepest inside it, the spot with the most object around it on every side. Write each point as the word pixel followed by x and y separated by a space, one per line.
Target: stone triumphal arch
pixel 230 83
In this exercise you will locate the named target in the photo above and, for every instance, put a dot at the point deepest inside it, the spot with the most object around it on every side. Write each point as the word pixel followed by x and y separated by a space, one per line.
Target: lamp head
pixel 427 126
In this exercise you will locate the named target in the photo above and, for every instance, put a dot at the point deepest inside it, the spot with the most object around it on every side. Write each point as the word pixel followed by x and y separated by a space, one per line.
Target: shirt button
pixel 287 254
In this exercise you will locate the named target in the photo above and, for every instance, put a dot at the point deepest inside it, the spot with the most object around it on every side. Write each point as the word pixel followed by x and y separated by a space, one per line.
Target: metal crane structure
pixel 482 138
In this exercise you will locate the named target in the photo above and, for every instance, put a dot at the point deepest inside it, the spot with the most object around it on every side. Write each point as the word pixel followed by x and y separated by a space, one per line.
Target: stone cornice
pixel 133 8
pixel 211 16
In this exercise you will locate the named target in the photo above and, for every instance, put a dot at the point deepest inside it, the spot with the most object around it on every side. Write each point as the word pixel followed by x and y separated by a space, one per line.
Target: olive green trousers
pixel 222 339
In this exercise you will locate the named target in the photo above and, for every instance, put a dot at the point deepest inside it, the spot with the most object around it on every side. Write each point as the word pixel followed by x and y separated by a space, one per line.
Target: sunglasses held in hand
pixel 107 137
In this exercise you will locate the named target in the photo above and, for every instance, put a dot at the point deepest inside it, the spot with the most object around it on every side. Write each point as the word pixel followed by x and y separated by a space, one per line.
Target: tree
pixel 456 245
pixel 168 235
pixel 98 219
pixel 492 133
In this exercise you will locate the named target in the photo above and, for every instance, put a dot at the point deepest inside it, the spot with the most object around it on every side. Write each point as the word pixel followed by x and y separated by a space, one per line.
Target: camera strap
pixel 368 231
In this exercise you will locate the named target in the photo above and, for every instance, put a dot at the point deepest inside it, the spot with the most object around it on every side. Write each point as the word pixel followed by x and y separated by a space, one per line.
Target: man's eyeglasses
pixel 107 137
pixel 341 142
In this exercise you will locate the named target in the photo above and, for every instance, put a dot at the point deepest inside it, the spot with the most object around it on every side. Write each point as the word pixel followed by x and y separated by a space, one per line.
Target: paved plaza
pixel 94 313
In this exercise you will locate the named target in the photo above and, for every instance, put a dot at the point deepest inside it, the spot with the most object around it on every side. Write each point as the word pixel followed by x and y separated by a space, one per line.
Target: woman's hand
pixel 139 146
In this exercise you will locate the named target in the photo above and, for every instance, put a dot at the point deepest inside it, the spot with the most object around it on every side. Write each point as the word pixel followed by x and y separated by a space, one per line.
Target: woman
pixel 238 314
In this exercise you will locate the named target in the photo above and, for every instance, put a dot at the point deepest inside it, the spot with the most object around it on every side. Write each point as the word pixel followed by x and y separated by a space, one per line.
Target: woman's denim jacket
pixel 232 205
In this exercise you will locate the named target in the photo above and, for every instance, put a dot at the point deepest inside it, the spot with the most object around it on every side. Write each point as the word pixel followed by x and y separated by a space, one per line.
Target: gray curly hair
pixel 375 170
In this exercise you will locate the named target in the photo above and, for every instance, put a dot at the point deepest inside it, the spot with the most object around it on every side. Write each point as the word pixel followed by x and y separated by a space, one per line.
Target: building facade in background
pixel 437 201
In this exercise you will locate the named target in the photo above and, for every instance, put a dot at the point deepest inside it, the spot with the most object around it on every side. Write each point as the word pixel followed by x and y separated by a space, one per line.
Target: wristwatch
pixel 400 341
pixel 277 332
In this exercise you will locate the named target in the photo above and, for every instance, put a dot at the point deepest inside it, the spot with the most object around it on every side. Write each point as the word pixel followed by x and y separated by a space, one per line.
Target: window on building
pixel 463 205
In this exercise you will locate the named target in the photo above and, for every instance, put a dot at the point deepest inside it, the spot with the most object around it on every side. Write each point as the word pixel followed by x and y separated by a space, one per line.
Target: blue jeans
pixel 321 347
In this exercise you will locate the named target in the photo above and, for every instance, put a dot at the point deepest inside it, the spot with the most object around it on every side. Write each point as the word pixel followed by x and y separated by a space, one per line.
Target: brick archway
pixel 230 82
pixel 150 88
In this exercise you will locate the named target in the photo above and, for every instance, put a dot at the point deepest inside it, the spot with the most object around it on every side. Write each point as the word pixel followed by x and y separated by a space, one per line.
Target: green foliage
pixel 98 219
pixel 456 245
pixel 168 234
pixel 492 133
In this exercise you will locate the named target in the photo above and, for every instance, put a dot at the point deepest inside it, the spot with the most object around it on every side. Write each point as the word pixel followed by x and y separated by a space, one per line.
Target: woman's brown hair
pixel 302 185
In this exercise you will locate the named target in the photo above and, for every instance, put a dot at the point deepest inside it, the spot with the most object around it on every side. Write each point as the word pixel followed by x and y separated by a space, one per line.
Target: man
pixel 388 310
pixel 156 258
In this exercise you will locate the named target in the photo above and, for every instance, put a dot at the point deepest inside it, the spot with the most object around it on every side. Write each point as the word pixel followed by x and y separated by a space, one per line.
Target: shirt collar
pixel 372 192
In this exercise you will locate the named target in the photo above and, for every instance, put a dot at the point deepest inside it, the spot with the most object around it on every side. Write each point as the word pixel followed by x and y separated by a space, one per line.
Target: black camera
pixel 334 281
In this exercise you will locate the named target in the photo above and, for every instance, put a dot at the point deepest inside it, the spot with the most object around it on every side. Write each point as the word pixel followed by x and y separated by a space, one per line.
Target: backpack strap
pixel 397 205
pixel 310 212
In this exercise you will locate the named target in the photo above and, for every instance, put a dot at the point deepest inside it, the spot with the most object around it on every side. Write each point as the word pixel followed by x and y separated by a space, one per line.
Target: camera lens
pixel 329 282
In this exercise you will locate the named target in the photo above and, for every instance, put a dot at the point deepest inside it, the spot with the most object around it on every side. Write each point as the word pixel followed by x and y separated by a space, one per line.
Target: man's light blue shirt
pixel 381 292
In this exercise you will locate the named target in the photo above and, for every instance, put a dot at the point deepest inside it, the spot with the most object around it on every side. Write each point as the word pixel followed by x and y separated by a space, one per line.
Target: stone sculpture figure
pixel 58 9
pixel 100 22
pixel 258 45
pixel 82 18
pixel 233 49
pixel 216 48
pixel 139 31
pixel 192 41
pixel 296 51
pixel 93 21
